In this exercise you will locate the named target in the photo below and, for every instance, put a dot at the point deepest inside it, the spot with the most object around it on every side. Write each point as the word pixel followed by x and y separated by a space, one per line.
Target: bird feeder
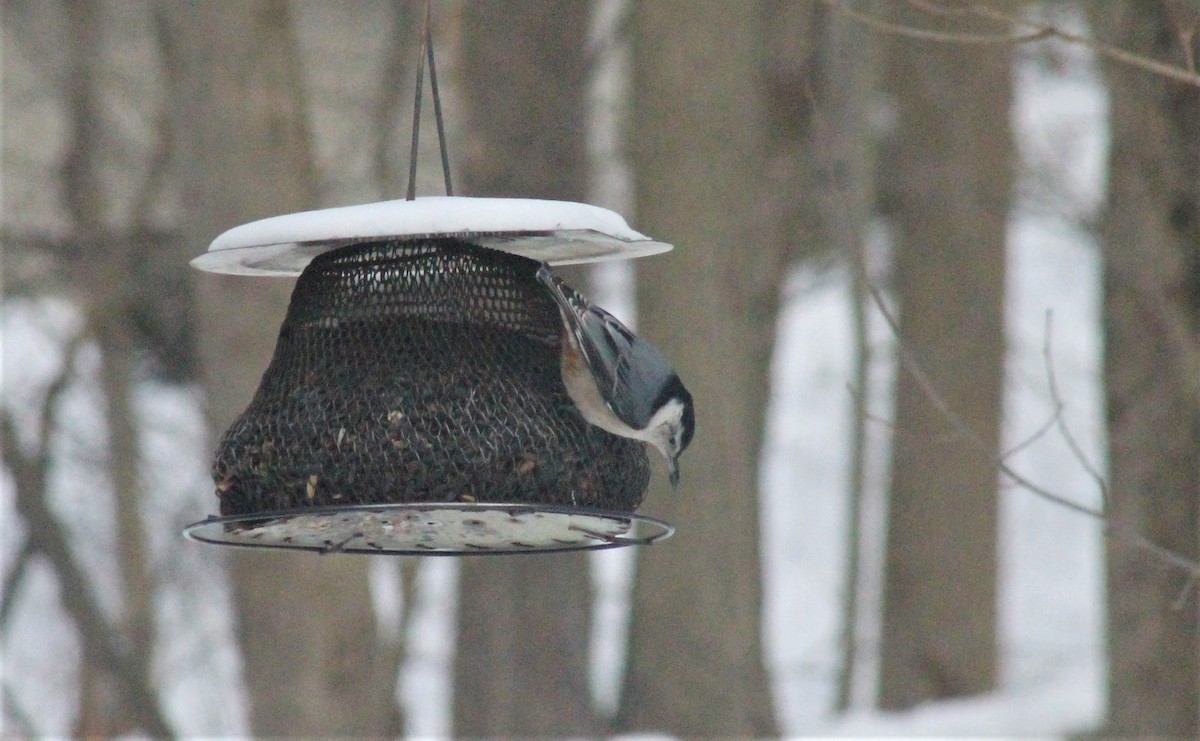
pixel 414 403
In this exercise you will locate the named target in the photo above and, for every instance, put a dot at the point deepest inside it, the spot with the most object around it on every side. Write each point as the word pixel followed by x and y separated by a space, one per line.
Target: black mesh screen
pixel 420 371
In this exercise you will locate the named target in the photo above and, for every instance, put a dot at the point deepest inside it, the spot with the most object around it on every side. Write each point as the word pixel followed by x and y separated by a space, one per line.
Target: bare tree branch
pixel 1171 322
pixel 1119 529
pixel 157 167
pixel 1034 31
pixel 1107 51
pixel 102 645
pixel 1061 424
pixel 849 60
pixel 83 197
pixel 945 37
pixel 1037 434
pixel 124 459
pixel 22 724
pixel 13 579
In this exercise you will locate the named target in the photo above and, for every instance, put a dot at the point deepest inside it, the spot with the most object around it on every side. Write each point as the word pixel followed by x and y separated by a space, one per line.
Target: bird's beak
pixel 673 472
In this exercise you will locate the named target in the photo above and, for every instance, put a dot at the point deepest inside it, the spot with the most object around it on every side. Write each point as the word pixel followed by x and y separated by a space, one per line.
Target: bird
pixel 620 382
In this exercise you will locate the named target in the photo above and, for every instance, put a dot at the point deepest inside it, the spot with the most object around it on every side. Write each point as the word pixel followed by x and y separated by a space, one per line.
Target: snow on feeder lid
pixel 415 403
pixel 556 232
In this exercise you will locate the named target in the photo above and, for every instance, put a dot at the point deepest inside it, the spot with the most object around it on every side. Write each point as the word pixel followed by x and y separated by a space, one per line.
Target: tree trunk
pixel 844 149
pixel 954 169
pixel 521 666
pixel 306 624
pixel 1151 242
pixel 107 304
pixel 695 666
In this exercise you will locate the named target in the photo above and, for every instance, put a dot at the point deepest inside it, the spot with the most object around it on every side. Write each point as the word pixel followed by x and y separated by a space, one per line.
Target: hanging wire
pixel 416 124
pixel 437 110
pixel 426 51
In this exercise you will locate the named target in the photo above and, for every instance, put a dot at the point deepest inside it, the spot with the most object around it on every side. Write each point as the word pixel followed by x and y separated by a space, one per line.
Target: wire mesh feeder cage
pixel 414 403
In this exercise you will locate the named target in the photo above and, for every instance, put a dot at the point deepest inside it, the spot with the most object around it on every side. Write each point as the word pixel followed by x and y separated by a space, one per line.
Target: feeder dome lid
pixel 556 232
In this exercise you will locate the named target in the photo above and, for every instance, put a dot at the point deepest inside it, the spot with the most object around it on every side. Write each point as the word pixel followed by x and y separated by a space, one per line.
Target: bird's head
pixel 673 426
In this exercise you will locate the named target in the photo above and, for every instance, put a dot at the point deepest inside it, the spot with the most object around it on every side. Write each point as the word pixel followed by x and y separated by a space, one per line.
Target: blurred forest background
pixel 783 146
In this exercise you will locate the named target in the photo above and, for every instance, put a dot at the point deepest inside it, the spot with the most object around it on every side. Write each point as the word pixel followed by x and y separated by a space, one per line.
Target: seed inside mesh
pixel 420 371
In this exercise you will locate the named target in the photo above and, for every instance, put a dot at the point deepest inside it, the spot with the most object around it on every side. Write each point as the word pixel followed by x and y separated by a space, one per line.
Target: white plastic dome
pixel 557 232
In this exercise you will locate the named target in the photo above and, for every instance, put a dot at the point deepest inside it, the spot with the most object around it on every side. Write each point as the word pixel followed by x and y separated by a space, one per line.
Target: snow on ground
pixel 1058 707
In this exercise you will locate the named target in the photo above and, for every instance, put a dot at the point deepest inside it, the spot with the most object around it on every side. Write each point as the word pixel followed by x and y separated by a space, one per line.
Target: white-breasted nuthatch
pixel 620 382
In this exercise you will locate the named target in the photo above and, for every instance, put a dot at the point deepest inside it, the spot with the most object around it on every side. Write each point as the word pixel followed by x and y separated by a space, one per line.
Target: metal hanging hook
pixel 426 52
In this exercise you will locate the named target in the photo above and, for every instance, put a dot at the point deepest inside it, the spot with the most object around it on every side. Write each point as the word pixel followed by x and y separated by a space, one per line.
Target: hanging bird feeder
pixel 415 403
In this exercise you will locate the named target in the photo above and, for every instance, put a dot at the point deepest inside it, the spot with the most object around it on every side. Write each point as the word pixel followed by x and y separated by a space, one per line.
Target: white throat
pixel 582 390
pixel 663 425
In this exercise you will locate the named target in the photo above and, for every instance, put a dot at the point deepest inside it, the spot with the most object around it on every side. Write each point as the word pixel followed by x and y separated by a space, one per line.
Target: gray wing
pixel 629 371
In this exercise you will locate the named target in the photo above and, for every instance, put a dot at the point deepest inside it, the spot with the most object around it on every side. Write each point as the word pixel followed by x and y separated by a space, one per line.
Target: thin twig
pixel 918 373
pixel 1038 434
pixel 1109 51
pixel 157 169
pixel 102 645
pixel 12 581
pixel 1114 527
pixel 932 8
pixel 943 37
pixel 857 478
pixel 881 421
pixel 914 369
pixel 22 724
pixel 1187 37
pixel 1037 32
pixel 1181 601
pixel 1063 428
